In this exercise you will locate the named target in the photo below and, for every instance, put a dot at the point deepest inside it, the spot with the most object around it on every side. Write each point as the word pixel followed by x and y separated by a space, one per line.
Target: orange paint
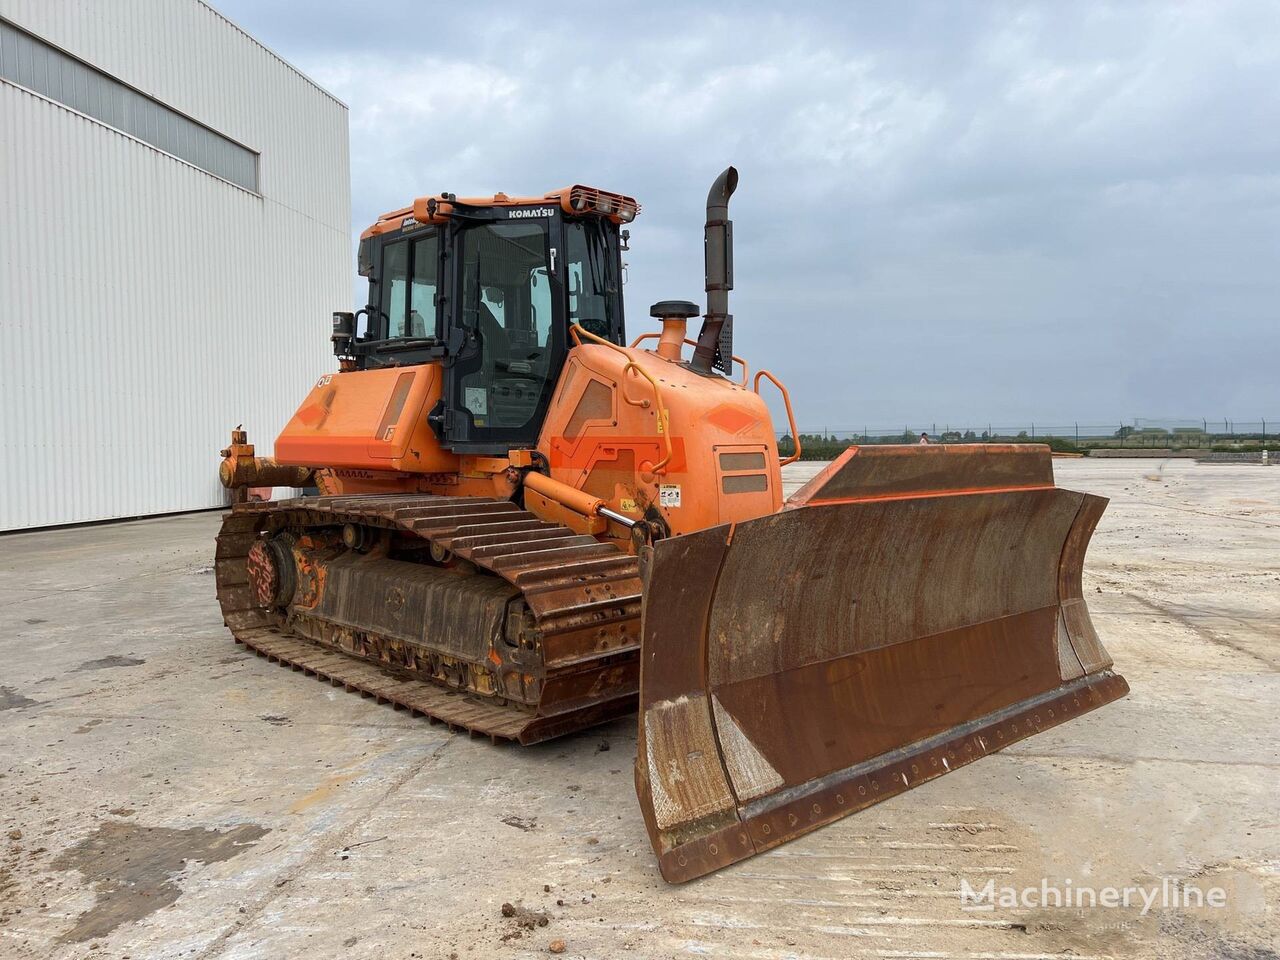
pixel 370 419
pixel 926 494
pixel 577 200
pixel 693 475
pixel 731 420
pixel 628 428
pixel 585 452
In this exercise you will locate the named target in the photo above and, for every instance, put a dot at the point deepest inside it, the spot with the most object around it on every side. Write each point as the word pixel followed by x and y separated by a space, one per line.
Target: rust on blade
pixel 842 652
pixel 891 470
pixel 1075 623
pixel 680 779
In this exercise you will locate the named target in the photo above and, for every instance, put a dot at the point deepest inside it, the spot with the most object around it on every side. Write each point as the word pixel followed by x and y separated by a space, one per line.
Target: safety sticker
pixel 477 401
pixel 669 494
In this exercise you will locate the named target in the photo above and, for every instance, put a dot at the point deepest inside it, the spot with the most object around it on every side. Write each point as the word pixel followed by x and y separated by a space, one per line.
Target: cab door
pixel 507 340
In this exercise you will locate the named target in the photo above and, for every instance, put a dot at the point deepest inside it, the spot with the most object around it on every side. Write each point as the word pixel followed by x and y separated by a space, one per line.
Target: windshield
pixel 594 296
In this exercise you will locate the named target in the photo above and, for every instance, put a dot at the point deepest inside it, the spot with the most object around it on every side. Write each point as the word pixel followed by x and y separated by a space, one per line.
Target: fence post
pixel 1077 433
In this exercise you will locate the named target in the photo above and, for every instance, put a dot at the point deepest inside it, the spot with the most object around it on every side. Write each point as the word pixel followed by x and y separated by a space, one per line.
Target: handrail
pixel 791 420
pixel 664 425
pixel 575 329
pixel 746 371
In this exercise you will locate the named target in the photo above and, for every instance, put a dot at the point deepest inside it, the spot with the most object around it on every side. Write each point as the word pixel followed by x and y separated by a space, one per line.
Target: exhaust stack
pixel 715 340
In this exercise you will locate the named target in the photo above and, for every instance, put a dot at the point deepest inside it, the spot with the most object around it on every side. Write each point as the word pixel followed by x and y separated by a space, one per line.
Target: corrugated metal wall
pixel 30 62
pixel 147 307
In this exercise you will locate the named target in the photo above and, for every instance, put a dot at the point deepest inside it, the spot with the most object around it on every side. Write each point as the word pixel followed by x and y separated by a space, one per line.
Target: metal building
pixel 175 214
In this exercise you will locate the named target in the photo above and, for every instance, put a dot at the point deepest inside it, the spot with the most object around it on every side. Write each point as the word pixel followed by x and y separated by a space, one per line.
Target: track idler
pixel 273 573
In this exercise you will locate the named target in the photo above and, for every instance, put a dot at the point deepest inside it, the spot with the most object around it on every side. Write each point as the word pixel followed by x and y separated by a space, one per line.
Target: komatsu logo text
pixel 522 213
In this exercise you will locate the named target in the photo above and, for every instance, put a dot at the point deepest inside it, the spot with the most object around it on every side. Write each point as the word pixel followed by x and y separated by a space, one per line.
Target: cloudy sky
pixel 947 212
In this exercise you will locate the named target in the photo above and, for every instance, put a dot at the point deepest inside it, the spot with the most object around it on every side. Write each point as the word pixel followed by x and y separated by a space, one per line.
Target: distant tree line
pixel 829 445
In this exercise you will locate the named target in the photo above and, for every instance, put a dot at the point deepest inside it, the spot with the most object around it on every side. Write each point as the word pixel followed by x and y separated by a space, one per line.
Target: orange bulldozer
pixel 525 526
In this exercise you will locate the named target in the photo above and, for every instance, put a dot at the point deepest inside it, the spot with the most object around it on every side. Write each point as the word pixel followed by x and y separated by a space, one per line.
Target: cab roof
pixel 577 200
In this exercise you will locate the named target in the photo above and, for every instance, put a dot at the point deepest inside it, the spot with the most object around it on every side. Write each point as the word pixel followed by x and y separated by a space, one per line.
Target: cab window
pixel 422 288
pixel 593 285
pixel 408 281
pixel 395 287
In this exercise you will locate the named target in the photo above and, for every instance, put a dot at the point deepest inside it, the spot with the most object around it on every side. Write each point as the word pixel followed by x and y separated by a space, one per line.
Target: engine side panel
pixel 603 435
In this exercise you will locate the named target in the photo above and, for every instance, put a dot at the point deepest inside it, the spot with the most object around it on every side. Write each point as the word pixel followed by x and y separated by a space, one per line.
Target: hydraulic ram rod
pixel 576 500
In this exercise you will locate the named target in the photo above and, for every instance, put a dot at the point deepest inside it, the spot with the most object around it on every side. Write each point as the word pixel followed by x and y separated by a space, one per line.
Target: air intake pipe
pixel 717 323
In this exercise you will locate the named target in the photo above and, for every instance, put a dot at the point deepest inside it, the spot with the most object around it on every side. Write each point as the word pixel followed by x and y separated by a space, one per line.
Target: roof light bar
pixel 615 206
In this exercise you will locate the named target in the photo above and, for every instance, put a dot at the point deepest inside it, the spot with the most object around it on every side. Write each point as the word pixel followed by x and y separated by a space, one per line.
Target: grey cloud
pixel 951 211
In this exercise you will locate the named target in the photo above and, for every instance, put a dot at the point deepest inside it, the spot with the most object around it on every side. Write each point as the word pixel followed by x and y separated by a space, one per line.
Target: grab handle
pixel 791 420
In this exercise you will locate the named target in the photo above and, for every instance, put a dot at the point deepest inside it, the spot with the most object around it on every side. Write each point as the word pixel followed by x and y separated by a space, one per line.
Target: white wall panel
pixel 147 307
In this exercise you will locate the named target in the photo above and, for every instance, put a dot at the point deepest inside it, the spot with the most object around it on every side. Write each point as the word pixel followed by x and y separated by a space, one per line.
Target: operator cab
pixel 488 290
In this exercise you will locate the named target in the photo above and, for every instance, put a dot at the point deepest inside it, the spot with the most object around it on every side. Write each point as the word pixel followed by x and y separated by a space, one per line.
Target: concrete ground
pixel 163 793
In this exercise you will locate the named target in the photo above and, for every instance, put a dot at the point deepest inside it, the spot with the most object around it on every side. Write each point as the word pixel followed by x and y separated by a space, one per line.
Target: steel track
pixel 584 597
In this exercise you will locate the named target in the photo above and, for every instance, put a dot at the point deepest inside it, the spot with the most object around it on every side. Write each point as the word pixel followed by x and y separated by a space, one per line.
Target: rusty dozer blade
pixel 910 610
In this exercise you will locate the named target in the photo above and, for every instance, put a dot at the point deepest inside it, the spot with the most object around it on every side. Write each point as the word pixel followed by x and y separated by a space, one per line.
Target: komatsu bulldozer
pixel 525 525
